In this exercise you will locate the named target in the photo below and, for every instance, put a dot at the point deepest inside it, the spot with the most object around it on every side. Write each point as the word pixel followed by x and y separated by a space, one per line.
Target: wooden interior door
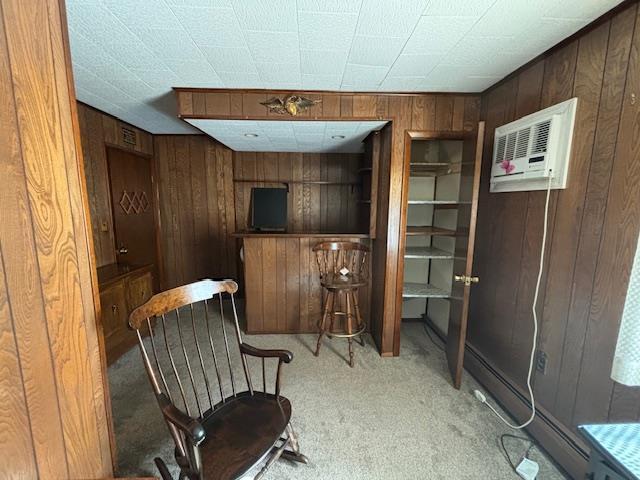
pixel 463 260
pixel 132 201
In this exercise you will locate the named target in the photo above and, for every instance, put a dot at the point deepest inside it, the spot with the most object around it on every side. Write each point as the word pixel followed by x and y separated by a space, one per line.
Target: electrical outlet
pixel 541 362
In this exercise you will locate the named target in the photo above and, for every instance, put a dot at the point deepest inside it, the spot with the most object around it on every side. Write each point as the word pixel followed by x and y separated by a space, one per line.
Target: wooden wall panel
pixel 292 301
pixel 197 208
pixel 593 229
pixel 311 207
pixel 50 350
pixel 98 131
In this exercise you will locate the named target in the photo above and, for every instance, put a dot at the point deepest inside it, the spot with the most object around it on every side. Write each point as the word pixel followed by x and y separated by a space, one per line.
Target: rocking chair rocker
pixel 219 431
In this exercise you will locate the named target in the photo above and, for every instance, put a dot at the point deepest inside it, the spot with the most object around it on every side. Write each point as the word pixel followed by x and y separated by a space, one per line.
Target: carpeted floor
pixel 387 418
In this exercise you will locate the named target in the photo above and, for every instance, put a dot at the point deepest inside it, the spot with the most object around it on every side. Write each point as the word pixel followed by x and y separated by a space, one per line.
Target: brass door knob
pixel 467 280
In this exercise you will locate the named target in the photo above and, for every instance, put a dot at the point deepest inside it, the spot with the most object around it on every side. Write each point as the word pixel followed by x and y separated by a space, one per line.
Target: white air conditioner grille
pixel 511 146
pixel 541 137
pixel 500 149
pixel 522 144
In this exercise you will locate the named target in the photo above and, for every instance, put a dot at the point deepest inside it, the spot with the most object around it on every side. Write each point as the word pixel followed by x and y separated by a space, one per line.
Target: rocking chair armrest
pixel 188 425
pixel 284 355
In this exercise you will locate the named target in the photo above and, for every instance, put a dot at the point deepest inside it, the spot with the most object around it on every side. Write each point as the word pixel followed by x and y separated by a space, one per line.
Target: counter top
pixel 249 233
pixel 115 271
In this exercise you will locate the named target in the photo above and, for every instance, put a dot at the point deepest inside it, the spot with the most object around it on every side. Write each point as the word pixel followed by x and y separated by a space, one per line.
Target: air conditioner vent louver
pixel 511 146
pixel 541 137
pixel 533 152
pixel 500 149
pixel 522 143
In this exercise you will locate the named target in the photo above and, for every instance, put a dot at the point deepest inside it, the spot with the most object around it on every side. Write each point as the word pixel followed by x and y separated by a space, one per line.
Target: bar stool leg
pixel 349 327
pixel 325 314
pixel 359 321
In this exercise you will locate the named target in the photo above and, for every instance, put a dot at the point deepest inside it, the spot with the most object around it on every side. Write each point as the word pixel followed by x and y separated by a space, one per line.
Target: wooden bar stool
pixel 342 268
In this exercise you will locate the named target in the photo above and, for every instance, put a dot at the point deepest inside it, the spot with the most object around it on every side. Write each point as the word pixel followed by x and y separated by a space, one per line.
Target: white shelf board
pixel 422 290
pixel 437 202
pixel 426 252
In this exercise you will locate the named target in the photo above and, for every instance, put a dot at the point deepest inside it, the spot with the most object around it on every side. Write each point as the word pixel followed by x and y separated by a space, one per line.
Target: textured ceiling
pixel 127 54
pixel 289 136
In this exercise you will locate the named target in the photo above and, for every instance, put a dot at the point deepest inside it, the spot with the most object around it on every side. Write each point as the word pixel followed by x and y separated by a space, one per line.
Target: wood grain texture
pixel 197 208
pixel 284 294
pixel 97 131
pixel 311 207
pixel 593 228
pixel 47 253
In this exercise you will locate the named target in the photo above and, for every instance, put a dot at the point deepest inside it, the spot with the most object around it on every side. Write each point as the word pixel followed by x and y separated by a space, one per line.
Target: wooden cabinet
pixel 120 293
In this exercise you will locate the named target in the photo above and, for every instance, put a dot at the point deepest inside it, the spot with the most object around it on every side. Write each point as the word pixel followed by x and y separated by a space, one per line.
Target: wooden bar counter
pixel 282 282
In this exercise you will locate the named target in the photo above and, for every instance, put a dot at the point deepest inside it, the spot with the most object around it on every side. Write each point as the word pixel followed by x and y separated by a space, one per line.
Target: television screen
pixel 269 208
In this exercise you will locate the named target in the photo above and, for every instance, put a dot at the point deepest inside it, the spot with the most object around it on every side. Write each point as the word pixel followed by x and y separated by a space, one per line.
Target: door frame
pixel 410 136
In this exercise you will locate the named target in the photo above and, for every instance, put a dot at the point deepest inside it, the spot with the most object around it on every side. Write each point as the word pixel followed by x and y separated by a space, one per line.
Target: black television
pixel 269 209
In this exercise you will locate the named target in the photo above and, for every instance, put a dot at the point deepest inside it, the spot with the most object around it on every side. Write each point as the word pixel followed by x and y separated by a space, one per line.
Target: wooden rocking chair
pixel 219 431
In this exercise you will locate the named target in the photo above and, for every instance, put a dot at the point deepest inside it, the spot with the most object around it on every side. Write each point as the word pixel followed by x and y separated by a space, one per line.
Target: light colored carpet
pixel 387 418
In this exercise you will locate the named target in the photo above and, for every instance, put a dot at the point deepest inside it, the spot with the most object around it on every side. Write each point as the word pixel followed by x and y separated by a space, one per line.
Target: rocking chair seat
pixel 241 432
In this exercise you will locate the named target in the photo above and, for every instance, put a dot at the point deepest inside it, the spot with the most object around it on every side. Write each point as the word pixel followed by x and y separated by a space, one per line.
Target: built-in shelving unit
pixel 434 177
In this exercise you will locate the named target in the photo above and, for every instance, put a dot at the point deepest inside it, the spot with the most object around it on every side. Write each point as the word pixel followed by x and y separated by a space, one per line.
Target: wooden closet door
pixel 132 200
pixel 463 261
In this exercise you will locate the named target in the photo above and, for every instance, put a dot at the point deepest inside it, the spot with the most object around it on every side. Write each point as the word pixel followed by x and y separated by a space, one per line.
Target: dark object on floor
pixel 342 272
pixel 214 439
pixel 615 451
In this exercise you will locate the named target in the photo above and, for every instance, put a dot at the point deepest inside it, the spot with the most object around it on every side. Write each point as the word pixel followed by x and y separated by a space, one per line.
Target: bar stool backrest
pixel 334 256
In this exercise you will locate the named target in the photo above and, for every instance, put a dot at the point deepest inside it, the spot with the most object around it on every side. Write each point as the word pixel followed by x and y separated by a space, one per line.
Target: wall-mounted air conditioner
pixel 526 152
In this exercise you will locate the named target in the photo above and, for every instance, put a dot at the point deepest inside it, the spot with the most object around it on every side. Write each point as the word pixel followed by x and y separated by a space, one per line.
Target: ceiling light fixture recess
pixel 251 135
pixel 337 137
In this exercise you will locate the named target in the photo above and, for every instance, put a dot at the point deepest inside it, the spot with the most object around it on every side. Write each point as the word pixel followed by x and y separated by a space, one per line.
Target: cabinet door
pixel 139 290
pixel 114 316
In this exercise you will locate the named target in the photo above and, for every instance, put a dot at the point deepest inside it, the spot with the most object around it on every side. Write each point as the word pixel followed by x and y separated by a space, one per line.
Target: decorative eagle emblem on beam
pixel 293 104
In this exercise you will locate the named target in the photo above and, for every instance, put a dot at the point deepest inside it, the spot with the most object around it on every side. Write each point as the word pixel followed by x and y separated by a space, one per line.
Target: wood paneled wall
pixel 292 301
pixel 406 112
pixel 99 131
pixel 311 207
pixel 593 229
pixel 53 418
pixel 197 212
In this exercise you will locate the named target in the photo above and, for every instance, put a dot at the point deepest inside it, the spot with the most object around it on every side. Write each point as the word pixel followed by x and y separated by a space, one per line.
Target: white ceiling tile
pixel 279 72
pixel 266 15
pixel 401 84
pixel 194 71
pixel 414 65
pixel 331 6
pixel 273 46
pixel 171 44
pixel 240 79
pixel 150 13
pixel 324 31
pixel 321 82
pixel 201 3
pixel 367 50
pixel 458 8
pixel 134 55
pixel 211 26
pixel 355 75
pixel 437 34
pixel 323 62
pixel 301 136
pixel 160 79
pixel 576 9
pixel 229 59
pixel 385 18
